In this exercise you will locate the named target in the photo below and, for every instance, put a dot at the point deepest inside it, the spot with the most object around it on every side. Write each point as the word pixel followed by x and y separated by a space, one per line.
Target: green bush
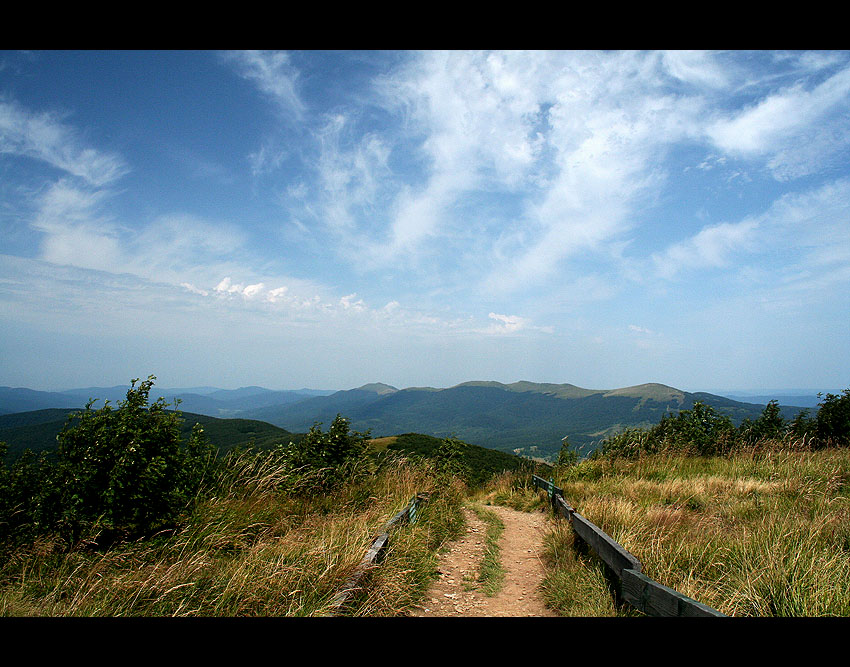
pixel 832 425
pixel 333 455
pixel 769 425
pixel 122 472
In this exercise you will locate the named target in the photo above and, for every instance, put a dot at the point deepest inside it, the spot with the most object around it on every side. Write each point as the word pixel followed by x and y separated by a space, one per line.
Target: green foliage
pixel 769 425
pixel 335 453
pixel 832 426
pixel 122 471
pixel 481 463
pixel 25 487
pixel 701 431
pixel 567 456
pixel 450 459
pixel 802 426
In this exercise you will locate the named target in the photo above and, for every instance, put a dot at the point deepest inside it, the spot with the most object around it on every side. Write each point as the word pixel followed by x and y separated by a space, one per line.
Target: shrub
pixel 832 424
pixel 449 457
pixel 769 425
pixel 334 453
pixel 122 471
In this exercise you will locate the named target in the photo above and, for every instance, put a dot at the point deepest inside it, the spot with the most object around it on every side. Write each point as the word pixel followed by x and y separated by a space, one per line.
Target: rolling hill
pixel 37 430
pixel 522 417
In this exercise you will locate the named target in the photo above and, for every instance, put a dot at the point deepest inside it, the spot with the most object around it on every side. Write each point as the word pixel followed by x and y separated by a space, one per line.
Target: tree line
pixel 702 431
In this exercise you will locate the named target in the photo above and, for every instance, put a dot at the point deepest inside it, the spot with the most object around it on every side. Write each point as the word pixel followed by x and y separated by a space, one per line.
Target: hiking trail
pixel 456 592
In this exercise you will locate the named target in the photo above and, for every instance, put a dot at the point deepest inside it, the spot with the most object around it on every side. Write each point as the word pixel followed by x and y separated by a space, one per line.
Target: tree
pixel 701 430
pixel 567 456
pixel 832 424
pixel 333 453
pixel 449 457
pixel 121 471
pixel 770 424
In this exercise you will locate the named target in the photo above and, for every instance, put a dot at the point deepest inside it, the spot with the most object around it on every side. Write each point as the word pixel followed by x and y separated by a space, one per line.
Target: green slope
pixel 37 431
pixel 482 462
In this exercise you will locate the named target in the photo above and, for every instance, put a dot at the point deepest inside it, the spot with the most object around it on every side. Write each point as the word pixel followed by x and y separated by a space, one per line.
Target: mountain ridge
pixel 523 417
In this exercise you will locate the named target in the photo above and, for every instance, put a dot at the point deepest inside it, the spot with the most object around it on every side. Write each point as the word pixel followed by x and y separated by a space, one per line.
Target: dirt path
pixel 456 592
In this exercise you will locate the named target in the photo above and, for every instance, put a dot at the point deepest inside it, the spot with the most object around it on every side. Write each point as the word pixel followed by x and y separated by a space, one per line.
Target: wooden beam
pixel 653 599
pixel 611 553
pixel 563 508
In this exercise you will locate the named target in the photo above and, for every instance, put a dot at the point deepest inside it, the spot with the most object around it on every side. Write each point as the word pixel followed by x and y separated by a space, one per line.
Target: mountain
pixel 19 399
pixel 805 400
pixel 524 417
pixel 209 401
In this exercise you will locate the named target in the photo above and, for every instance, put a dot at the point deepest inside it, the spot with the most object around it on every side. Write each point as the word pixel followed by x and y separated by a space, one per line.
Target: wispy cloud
pixel 274 75
pixel 44 136
pixel 785 126
pixel 809 230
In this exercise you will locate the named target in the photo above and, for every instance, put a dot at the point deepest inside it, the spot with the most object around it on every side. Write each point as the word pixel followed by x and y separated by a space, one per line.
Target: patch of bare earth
pixel 456 591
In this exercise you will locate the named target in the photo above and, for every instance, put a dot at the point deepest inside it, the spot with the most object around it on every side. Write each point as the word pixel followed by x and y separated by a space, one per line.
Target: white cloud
pixel 787 125
pixel 712 247
pixel 697 67
pixel 810 229
pixel 43 136
pixel 273 75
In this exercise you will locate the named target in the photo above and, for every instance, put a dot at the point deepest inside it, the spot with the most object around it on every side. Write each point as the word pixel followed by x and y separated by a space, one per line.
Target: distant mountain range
pixel 523 417
pixel 201 400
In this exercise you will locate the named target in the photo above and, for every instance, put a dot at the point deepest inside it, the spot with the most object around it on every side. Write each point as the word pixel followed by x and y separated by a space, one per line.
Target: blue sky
pixel 328 219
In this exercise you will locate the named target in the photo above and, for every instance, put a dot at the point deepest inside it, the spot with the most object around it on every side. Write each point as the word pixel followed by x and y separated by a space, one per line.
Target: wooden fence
pixel 637 589
pixel 376 551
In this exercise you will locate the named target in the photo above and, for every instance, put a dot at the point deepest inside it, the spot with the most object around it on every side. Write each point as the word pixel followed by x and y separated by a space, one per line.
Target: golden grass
pixel 760 533
pixel 253 550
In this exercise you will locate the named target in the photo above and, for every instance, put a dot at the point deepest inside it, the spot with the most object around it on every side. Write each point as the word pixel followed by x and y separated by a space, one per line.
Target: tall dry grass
pixel 761 532
pixel 259 544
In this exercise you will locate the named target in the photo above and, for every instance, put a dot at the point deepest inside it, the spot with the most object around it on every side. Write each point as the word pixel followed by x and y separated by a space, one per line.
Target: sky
pixel 329 219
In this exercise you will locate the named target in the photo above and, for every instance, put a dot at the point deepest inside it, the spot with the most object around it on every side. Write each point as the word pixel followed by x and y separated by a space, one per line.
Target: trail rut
pixel 456 593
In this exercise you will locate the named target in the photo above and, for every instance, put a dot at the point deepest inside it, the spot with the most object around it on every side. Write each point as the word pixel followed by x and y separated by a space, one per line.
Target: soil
pixel 456 592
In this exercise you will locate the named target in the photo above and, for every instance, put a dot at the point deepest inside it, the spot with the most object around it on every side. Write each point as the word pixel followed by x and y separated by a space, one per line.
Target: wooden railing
pixel 637 589
pixel 375 552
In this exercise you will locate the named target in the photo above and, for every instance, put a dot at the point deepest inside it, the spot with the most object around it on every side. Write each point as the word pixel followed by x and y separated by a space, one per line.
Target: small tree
pixel 567 456
pixel 770 424
pixel 122 471
pixel 333 452
pixel 832 424
pixel 449 457
pixel 701 430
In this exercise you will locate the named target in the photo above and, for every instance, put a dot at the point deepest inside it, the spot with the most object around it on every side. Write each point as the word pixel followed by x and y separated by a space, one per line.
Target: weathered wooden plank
pixel 398 517
pixel 563 508
pixel 351 584
pixel 611 552
pixel 376 549
pixel 654 599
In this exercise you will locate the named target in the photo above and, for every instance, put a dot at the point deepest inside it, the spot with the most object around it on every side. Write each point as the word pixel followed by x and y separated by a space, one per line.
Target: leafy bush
pixel 334 453
pixel 832 425
pixel 770 424
pixel 122 471
pixel 449 457
pixel 25 489
pixel 567 456
pixel 701 431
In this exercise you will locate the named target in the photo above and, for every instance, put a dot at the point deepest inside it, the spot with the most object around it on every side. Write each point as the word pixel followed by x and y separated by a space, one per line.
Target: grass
pixel 575 583
pixel 763 532
pixel 491 574
pixel 259 547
